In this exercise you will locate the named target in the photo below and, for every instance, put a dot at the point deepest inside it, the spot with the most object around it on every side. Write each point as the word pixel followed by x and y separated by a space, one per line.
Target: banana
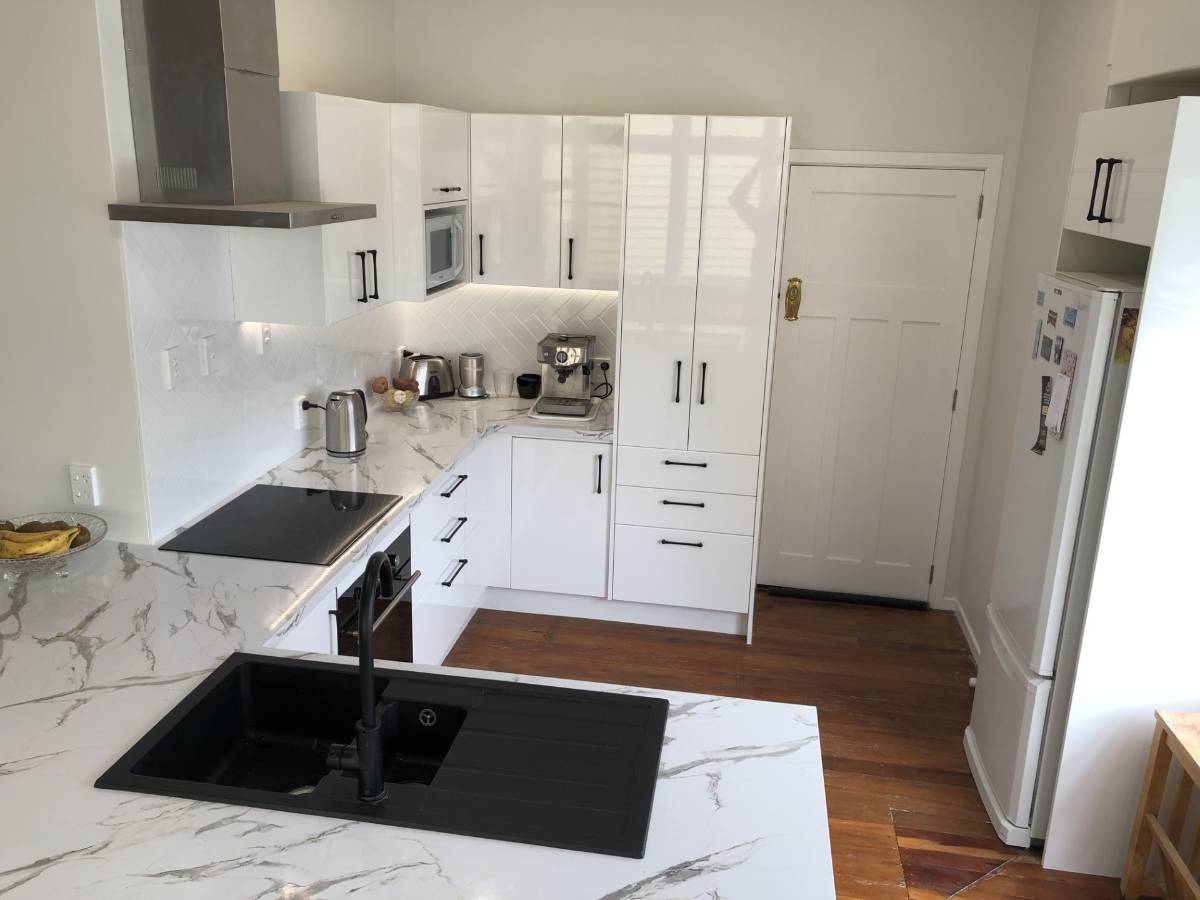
pixel 52 544
pixel 32 537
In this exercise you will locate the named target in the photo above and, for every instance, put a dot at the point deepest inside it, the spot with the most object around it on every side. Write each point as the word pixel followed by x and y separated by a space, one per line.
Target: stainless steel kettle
pixel 345 422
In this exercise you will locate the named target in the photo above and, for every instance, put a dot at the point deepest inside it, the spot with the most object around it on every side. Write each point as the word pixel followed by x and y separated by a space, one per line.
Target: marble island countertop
pixel 88 663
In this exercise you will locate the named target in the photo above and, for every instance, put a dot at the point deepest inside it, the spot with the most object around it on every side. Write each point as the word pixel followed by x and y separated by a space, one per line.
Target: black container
pixel 528 386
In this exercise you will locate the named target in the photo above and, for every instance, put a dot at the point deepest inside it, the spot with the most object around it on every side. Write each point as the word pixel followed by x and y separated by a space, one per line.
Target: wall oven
pixel 394 639
pixel 445 246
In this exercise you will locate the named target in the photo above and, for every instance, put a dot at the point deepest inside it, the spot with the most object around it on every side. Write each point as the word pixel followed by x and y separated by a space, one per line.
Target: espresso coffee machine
pixel 566 363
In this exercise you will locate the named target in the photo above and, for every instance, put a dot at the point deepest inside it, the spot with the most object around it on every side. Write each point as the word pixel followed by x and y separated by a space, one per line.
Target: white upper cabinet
pixel 744 158
pixel 516 180
pixel 1119 171
pixel 658 290
pixel 445 154
pixel 550 475
pixel 593 152
pixel 335 149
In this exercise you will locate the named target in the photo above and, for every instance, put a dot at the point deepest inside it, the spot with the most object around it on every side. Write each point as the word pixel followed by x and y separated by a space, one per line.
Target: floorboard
pixel 890 687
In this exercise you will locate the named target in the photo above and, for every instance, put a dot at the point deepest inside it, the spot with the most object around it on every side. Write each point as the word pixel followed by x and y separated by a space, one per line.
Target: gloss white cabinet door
pixel 743 171
pixel 1120 170
pixel 339 149
pixel 560 503
pixel 445 154
pixel 516 199
pixel 593 156
pixel 664 182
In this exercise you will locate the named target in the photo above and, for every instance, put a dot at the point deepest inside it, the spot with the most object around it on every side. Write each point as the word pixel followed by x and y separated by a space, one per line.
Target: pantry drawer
pixel 693 510
pixel 682 568
pixel 687 470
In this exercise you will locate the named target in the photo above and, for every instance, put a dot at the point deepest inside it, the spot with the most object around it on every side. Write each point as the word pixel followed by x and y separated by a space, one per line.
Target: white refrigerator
pixel 1080 343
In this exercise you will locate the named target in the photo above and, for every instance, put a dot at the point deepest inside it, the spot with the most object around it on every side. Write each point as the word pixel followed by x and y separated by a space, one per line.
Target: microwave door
pixel 458 240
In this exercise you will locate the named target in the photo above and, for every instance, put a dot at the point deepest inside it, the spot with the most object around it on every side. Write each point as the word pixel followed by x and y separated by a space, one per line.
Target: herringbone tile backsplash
pixel 506 323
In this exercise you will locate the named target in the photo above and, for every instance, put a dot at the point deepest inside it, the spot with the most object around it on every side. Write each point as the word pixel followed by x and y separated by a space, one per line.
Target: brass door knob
pixel 791 300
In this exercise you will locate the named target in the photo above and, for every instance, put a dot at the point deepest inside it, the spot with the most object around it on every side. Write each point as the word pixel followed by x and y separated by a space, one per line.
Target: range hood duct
pixel 204 96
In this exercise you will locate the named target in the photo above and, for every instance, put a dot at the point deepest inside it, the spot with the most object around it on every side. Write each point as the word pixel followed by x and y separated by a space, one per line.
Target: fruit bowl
pixel 397 401
pixel 10 568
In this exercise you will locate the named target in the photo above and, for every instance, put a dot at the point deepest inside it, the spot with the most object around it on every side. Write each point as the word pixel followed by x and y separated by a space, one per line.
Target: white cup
pixel 502 383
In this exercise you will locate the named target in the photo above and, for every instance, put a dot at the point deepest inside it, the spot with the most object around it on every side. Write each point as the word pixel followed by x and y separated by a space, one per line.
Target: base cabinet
pixel 560 503
pixel 316 631
pixel 682 568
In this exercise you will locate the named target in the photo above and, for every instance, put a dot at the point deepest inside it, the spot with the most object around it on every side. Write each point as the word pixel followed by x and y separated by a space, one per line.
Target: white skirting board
pixel 953 605
pixel 613 610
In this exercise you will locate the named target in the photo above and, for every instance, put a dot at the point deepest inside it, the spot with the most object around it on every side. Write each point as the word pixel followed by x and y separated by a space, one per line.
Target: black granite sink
pixel 539 765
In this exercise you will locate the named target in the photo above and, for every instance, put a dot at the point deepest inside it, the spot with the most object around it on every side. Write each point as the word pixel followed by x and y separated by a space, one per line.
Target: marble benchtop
pixel 88 663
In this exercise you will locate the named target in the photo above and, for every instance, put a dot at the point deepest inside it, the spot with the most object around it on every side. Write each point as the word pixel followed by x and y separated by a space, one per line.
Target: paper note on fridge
pixel 1058 402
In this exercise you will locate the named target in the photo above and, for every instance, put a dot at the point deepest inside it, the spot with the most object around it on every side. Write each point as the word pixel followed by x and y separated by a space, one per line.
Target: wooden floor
pixel 890 687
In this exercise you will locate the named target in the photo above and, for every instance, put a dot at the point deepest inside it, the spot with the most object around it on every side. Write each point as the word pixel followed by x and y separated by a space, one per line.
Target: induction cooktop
pixel 285 524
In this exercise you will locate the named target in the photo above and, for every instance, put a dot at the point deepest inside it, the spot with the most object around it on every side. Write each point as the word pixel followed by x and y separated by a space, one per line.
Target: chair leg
pixel 1132 881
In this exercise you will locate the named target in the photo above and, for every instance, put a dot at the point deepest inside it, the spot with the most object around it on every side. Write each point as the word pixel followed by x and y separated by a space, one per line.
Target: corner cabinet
pixel 703 208
pixel 560 504
pixel 516 182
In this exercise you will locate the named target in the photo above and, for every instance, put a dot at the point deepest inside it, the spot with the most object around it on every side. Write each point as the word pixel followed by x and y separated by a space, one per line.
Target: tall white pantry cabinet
pixel 703 220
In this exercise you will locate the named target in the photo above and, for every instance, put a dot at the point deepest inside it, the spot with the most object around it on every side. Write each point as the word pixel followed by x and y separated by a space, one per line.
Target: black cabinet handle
pixel 672 462
pixel 682 503
pixel 462 520
pixel 462 564
pixel 1103 217
pixel 703 379
pixel 1091 216
pixel 599 470
pixel 570 259
pixel 362 258
pixel 375 269
pixel 450 491
pixel 681 543
pixel 678 376
pixel 481 254
pixel 447 190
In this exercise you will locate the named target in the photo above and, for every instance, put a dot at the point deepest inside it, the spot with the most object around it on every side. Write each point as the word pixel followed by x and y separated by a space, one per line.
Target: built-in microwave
pixel 445 245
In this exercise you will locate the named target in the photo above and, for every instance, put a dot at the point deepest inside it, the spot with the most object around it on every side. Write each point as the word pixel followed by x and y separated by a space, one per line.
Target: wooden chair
pixel 1176 737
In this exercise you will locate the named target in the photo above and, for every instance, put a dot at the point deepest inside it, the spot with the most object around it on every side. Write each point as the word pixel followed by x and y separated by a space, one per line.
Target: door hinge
pixel 931 574
pixel 979 211
pixel 954 401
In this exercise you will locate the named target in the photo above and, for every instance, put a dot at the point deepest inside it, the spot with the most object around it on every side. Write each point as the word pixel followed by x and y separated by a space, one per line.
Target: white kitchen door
pixel 864 378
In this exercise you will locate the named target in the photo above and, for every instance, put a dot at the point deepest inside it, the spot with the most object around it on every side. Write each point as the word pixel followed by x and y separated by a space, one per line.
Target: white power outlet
pixel 85 488
pixel 300 420
pixel 172 369
pixel 262 339
pixel 208 354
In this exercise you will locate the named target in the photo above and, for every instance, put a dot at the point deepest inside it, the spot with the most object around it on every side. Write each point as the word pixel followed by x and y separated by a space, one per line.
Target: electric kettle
pixel 345 422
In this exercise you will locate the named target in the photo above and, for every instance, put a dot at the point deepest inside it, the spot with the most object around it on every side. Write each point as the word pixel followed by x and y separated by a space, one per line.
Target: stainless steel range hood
pixel 204 94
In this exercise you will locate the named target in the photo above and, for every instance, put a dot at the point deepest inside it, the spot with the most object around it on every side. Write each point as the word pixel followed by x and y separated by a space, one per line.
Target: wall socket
pixel 85 489
pixel 208 354
pixel 262 339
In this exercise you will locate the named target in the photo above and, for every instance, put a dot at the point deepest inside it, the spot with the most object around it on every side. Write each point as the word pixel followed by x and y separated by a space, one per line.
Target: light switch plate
pixel 85 488
pixel 172 369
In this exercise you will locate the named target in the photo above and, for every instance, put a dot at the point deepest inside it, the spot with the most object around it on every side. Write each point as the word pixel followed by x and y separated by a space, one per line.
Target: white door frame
pixel 991 165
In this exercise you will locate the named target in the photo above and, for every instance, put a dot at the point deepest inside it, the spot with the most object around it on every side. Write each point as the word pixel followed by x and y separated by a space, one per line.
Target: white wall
pixel 1154 37
pixel 1069 76
pixel 66 377
pixel 341 47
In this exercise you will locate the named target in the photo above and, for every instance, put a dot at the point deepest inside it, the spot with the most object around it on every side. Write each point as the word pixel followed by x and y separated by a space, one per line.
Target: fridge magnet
pixel 1052 318
pixel 1070 359
pixel 1126 335
pixel 1070 313
pixel 1058 349
pixel 1041 297
pixel 1056 417
pixel 1047 347
pixel 1039 446
pixel 1037 337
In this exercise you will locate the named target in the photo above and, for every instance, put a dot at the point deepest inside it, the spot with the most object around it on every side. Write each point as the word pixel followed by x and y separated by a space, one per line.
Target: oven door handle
pixel 350 624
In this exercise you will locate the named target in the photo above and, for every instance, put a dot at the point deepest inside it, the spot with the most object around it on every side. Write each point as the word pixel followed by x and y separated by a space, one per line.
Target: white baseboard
pixel 613 610
pixel 953 604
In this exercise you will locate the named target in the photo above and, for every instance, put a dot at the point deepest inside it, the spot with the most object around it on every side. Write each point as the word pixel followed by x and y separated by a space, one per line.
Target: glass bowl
pixel 11 568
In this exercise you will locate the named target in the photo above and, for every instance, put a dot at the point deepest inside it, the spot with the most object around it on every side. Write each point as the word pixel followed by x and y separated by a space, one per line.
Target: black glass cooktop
pixel 286 524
